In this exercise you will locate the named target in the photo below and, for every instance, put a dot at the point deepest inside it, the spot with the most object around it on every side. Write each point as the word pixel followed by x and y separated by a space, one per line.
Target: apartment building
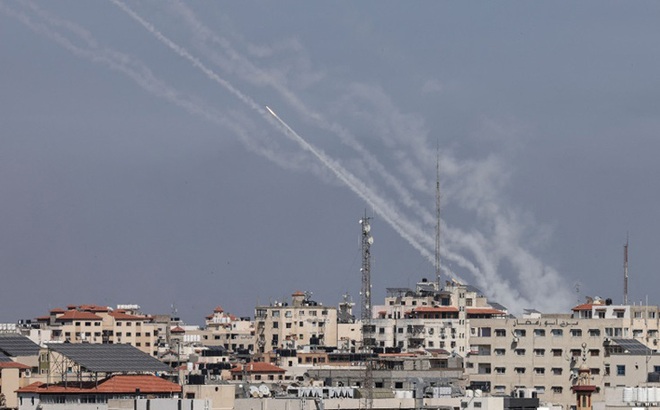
pixel 100 324
pixel 430 318
pixel 543 352
pixel 236 334
pixel 302 322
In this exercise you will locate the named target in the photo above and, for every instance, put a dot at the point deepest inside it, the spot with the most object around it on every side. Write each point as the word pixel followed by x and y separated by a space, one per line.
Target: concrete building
pixel 287 326
pixel 99 324
pixel 429 318
pixel 95 394
pixel 544 352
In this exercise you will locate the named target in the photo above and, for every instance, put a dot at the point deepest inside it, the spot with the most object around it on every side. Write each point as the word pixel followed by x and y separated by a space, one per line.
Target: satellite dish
pixel 371 240
pixel 264 390
pixel 254 391
pixel 367 228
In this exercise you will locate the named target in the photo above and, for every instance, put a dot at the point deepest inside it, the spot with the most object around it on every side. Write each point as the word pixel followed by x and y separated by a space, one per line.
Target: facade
pixel 429 318
pixel 544 352
pixel 287 326
pixel 100 324
pixel 94 395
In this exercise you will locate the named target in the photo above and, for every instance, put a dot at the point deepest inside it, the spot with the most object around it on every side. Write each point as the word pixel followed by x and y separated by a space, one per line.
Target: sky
pixel 139 164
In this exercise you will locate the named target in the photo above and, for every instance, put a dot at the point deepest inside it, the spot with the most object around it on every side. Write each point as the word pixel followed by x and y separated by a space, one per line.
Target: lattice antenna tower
pixel 366 240
pixel 437 220
pixel 367 332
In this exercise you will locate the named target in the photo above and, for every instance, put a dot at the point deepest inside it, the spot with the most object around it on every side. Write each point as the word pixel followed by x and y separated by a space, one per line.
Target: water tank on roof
pixel 627 394
pixel 653 394
pixel 642 394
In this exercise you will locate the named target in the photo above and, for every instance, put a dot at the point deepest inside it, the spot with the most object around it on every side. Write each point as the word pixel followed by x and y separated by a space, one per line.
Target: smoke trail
pixel 406 229
pixel 475 244
pixel 135 70
pixel 487 275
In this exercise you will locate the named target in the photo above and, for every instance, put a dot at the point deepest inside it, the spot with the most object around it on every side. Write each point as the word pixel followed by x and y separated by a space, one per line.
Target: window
pixel 500 370
pixel 539 370
pixel 557 332
pixel 520 352
pixel 287 313
pixel 539 332
pixel 276 325
pixel 500 332
pixel 556 371
pixel 276 313
pixel 312 312
pixel 288 325
pixel 594 352
pixel 594 332
pixel 539 389
pixel 619 313
pixel 129 324
pixel 500 352
pixel 620 369
pixel 556 352
pixel 88 323
pixel 576 352
pixel 601 314
pixel 519 370
pixel 539 352
pixel 576 332
pixel 499 389
pixel 128 334
pixel 557 389
pixel 381 330
pixel 520 332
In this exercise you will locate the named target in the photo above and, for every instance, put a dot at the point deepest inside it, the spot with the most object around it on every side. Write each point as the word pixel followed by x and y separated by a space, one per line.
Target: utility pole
pixel 625 272
pixel 437 222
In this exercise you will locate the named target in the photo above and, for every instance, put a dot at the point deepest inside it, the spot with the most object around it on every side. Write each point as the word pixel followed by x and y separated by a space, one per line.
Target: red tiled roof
pixel 78 315
pixel 435 309
pixel 298 293
pixel 94 308
pixel 42 318
pixel 218 309
pixel 177 329
pixel 258 367
pixel 14 365
pixel 57 310
pixel 484 311
pixel 584 306
pixel 126 384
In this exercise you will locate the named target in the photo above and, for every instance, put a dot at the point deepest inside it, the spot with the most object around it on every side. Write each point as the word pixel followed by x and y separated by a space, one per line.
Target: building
pixel 287 326
pixel 95 394
pixel 100 324
pixel 429 318
pixel 543 352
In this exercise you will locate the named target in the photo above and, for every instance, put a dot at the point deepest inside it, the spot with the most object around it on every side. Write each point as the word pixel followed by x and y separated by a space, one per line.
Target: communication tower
pixel 367 329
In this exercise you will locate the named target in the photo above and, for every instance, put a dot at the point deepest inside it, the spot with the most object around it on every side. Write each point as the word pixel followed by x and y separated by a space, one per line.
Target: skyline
pixel 139 155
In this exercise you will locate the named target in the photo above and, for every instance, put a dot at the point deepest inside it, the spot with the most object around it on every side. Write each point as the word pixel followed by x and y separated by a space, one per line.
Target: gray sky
pixel 138 163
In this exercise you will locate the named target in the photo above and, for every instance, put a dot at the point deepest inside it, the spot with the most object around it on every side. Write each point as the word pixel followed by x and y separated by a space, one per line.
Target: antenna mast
pixel 437 220
pixel 367 240
pixel 367 329
pixel 625 272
